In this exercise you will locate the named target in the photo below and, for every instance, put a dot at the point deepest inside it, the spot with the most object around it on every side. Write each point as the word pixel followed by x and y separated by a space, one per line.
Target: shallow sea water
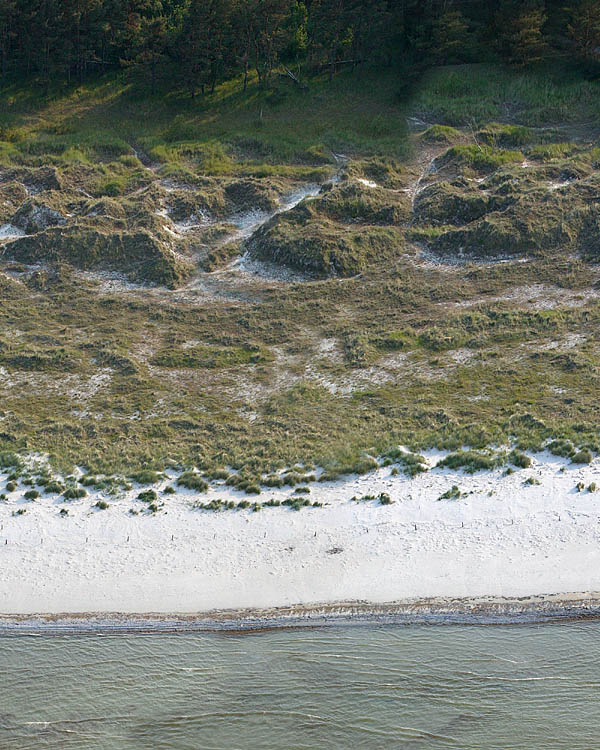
pixel 348 686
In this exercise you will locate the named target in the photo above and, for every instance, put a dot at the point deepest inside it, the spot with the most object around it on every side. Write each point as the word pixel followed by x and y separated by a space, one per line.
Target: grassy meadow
pixel 413 345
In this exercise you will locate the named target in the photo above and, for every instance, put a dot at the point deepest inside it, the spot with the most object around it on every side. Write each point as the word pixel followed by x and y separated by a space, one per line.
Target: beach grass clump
pixel 11 486
pixel 191 480
pixel 219 473
pixel 296 503
pixel 243 504
pixel 146 476
pixel 74 493
pixel 302 491
pixel 272 503
pixel 592 487
pixel 147 496
pixel 470 461
pixel 31 495
pixel 169 490
pixel 454 493
pixel 584 456
pixel 383 499
pixel 519 459
pixel 412 463
pixel 101 505
pixel 532 481
pixel 561 447
pixel 273 480
pixel 9 460
pixel 54 487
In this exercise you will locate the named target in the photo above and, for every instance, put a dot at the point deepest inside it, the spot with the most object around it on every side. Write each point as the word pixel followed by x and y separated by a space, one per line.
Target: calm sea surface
pixel 357 687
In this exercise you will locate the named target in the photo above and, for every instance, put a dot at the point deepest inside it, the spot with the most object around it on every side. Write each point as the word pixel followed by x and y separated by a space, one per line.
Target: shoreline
pixel 429 611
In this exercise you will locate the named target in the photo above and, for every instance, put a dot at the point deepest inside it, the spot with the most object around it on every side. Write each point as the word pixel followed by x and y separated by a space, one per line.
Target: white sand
pixel 519 541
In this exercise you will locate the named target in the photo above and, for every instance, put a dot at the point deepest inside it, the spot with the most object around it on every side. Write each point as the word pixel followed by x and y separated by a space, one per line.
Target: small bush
pixel 592 487
pixel 453 493
pixel 74 493
pixel 101 505
pixel 302 491
pixel 273 503
pixel 54 487
pixel 146 476
pixel 31 495
pixel 168 490
pixel 9 459
pixel 243 504
pixel 219 474
pixel 148 496
pixel 273 480
pixel 470 461
pixel 522 460
pixel 11 486
pixel 582 457
pixel 532 481
pixel 252 489
pixel 563 448
pixel 192 481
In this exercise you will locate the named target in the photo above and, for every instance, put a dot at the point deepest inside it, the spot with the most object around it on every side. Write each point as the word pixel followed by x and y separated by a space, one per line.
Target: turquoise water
pixel 363 687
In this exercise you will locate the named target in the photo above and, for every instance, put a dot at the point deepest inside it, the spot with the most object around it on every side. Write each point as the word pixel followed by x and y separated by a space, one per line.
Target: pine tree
pixel 7 33
pixel 584 29
pixel 522 40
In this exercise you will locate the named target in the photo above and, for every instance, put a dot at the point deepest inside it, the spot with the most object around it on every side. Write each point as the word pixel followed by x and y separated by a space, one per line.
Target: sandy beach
pixel 502 538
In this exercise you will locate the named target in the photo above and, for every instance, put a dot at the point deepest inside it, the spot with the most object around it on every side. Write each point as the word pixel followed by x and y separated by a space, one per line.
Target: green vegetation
pixel 471 461
pixel 454 493
pixel 192 481
pixel 380 348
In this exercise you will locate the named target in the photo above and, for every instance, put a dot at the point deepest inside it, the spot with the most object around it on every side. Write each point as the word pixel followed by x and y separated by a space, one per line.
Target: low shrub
pixel 302 491
pixel 11 486
pixel 563 448
pixel 532 481
pixel 74 493
pixel 592 487
pixel 522 460
pixel 101 505
pixel 148 496
pixel 470 461
pixel 582 457
pixel 146 476
pixel 252 489
pixel 31 495
pixel 192 481
pixel 168 490
pixel 54 487
pixel 273 480
pixel 453 493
